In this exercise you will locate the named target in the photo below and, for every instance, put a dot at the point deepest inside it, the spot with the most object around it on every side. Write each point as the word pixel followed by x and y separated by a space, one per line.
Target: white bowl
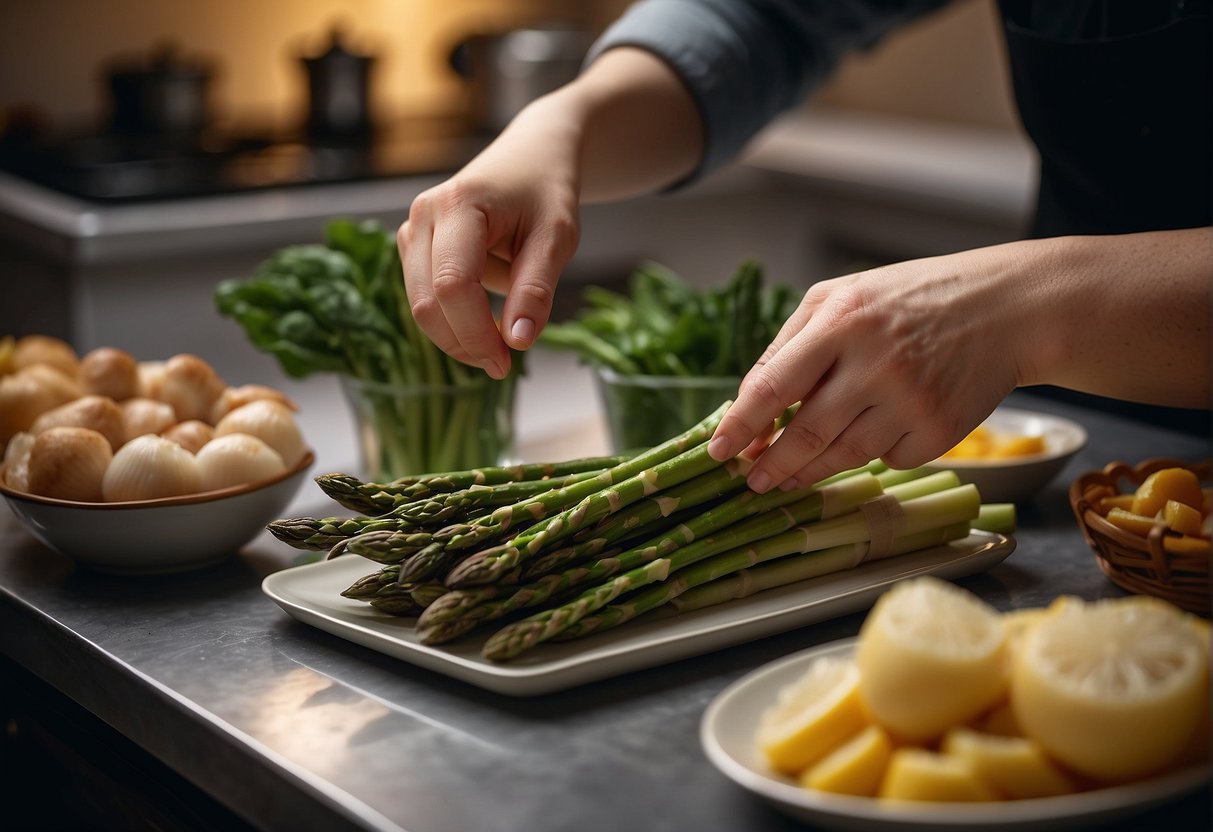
pixel 1016 479
pixel 149 537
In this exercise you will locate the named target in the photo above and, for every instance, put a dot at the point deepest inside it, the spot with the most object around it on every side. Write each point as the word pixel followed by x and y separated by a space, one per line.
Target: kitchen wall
pixel 50 52
pixel 948 67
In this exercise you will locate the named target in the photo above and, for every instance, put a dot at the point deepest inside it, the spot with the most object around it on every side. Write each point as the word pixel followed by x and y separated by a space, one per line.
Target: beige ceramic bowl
pixel 1018 479
pixel 149 537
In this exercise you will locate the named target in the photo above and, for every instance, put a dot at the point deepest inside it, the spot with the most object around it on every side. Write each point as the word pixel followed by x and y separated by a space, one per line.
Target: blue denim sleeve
pixel 746 61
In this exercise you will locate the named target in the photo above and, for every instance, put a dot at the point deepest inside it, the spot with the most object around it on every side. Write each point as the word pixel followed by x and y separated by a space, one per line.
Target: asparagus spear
pixel 950 506
pixel 377 498
pixel 488 565
pixel 770 513
pixel 370 585
pixel 396 605
pixel 454 503
pixel 728 575
pixel 392 547
pixel 326 532
pixel 617 527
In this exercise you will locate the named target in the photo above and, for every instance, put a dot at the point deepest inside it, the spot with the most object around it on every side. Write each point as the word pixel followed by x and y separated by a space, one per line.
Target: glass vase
pixel 405 430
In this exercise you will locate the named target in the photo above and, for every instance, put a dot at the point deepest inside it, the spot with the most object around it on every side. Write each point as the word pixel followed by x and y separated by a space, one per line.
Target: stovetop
pixel 109 167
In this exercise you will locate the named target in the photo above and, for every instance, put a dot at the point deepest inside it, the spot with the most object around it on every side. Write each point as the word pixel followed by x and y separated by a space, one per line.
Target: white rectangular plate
pixel 311 594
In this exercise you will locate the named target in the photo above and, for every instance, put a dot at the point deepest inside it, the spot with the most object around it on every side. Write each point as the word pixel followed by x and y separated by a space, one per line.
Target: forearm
pixel 1131 319
pixel 633 126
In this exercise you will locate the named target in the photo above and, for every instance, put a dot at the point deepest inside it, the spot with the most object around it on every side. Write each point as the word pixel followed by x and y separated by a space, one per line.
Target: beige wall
pixel 50 50
pixel 948 67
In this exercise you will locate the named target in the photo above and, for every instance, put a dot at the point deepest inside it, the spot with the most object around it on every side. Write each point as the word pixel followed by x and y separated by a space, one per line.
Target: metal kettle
pixel 338 87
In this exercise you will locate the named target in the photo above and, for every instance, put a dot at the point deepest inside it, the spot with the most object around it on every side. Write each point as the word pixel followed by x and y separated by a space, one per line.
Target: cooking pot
pixel 506 71
pixel 164 95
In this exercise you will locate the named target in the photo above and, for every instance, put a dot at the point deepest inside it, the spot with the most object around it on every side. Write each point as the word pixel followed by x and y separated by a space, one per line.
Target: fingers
pixel 414 240
pixel 534 275
pixel 452 250
pixel 458 253
pixel 767 391
pixel 868 437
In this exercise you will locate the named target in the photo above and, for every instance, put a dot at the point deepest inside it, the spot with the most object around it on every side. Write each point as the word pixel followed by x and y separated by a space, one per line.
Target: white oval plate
pixel 730 724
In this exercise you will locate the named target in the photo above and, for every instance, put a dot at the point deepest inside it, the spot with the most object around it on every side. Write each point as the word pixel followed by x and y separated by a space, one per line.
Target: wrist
pixel 1055 298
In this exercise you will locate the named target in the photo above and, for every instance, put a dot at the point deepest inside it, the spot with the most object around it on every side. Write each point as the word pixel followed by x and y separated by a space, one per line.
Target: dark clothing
pixel 1116 94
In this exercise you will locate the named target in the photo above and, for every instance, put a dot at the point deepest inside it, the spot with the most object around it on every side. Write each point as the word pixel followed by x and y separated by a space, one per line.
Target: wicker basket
pixel 1141 564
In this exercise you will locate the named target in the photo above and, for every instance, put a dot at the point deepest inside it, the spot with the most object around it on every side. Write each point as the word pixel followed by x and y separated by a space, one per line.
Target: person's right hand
pixel 509 223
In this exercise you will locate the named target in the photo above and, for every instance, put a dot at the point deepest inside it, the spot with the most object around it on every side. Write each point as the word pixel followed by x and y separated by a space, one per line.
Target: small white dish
pixel 148 537
pixel 1016 479
pixel 730 724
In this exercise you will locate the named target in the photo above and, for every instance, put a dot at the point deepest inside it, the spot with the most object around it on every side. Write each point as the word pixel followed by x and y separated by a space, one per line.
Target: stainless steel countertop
pixel 295 729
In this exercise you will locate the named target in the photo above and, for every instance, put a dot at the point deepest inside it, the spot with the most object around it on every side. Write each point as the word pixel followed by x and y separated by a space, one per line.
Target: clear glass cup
pixel 406 430
pixel 643 411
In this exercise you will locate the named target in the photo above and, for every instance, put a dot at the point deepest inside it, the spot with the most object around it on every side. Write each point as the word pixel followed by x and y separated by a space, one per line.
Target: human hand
pixel 897 363
pixel 509 223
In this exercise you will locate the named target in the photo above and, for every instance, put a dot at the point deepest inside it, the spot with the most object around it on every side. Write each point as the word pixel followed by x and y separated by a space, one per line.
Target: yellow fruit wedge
pixel 1168 484
pixel 1124 502
pixel 1000 722
pixel 1181 518
pixel 1018 622
pixel 812 716
pixel 976 445
pixel 1137 524
pixel 1015 767
pixel 931 655
pixel 856 767
pixel 1112 689
pixel 1014 446
pixel 918 774
pixel 1185 544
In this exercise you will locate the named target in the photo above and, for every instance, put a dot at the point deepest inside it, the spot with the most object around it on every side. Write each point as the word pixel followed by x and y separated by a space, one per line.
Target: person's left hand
pixel 897 363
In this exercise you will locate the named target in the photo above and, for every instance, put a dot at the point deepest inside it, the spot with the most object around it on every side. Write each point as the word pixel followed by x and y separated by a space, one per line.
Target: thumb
pixel 535 273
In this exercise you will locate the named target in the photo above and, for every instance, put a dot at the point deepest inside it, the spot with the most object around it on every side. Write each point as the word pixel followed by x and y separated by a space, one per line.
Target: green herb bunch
pixel 668 351
pixel 665 326
pixel 340 307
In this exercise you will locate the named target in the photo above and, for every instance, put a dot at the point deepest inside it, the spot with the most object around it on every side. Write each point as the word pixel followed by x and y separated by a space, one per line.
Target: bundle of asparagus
pixel 589 544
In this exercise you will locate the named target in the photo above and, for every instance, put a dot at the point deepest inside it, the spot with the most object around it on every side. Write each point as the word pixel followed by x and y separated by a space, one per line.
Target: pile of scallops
pixel 105 427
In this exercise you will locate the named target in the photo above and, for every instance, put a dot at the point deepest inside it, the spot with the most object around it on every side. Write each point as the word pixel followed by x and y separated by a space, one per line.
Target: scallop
pixel 99 413
pixel 16 461
pixel 26 395
pixel 140 416
pixel 69 463
pixel 237 459
pixel 191 386
pixel 151 379
pixel 191 434
pixel 150 467
pixel 109 371
pixel 46 349
pixel 270 421
pixel 234 397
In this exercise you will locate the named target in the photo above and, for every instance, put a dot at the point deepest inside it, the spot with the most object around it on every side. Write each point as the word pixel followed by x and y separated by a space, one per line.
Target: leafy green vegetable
pixel 668 352
pixel 341 308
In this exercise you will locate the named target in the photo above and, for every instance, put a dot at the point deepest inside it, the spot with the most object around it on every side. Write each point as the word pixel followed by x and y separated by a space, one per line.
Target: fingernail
pixel 759 481
pixel 492 368
pixel 719 448
pixel 523 332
